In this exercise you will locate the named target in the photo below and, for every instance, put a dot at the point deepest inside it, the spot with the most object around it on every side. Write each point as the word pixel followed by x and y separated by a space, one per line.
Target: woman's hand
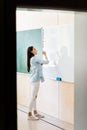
pixel 43 52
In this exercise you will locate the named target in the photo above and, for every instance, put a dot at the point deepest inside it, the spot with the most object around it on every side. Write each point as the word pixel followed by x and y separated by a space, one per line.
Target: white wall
pixel 37 19
pixel 31 19
pixel 80 100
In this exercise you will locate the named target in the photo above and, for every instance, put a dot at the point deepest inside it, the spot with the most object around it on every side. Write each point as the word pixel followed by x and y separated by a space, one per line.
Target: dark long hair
pixel 29 55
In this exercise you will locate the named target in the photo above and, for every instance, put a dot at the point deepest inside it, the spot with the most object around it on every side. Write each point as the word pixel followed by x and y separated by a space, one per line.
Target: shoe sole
pixel 33 119
pixel 39 116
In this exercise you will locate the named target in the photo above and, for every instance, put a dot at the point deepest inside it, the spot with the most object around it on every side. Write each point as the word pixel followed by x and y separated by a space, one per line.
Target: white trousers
pixel 34 92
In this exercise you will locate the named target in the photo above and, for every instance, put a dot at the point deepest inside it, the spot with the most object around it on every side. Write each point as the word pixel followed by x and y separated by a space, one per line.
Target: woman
pixel 34 66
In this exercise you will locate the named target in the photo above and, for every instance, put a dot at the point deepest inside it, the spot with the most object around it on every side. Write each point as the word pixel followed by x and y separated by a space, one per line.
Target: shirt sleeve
pixel 41 61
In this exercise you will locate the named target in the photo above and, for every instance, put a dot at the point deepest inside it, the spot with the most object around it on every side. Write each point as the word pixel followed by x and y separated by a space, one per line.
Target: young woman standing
pixel 34 66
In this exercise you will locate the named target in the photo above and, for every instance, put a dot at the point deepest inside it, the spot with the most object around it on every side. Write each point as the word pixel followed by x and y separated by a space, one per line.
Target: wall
pixel 80 101
pixel 36 19
pixel 32 19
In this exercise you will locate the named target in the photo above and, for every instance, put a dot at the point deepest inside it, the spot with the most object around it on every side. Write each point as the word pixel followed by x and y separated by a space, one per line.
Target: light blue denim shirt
pixel 36 70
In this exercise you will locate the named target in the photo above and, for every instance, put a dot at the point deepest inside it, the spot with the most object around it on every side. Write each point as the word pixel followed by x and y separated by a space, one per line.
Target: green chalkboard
pixel 24 39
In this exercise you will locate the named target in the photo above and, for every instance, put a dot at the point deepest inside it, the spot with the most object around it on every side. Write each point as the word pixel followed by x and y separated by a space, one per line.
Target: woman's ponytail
pixel 29 56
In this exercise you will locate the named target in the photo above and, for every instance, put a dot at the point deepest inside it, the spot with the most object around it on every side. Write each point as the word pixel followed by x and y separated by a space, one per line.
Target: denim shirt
pixel 36 70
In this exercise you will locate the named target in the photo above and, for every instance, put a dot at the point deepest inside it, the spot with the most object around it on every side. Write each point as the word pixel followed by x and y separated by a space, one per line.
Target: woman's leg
pixel 36 95
pixel 34 92
pixel 35 112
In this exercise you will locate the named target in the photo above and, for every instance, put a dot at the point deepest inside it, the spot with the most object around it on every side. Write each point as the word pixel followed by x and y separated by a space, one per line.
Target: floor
pixel 46 123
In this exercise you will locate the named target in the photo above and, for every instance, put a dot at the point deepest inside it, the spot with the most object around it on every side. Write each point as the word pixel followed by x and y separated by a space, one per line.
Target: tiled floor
pixel 43 124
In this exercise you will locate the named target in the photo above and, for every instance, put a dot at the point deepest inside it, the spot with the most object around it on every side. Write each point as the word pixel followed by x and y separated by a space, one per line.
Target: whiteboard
pixel 59 45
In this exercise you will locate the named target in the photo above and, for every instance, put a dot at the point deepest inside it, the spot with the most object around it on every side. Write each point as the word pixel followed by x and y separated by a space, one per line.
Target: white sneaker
pixel 39 116
pixel 33 118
